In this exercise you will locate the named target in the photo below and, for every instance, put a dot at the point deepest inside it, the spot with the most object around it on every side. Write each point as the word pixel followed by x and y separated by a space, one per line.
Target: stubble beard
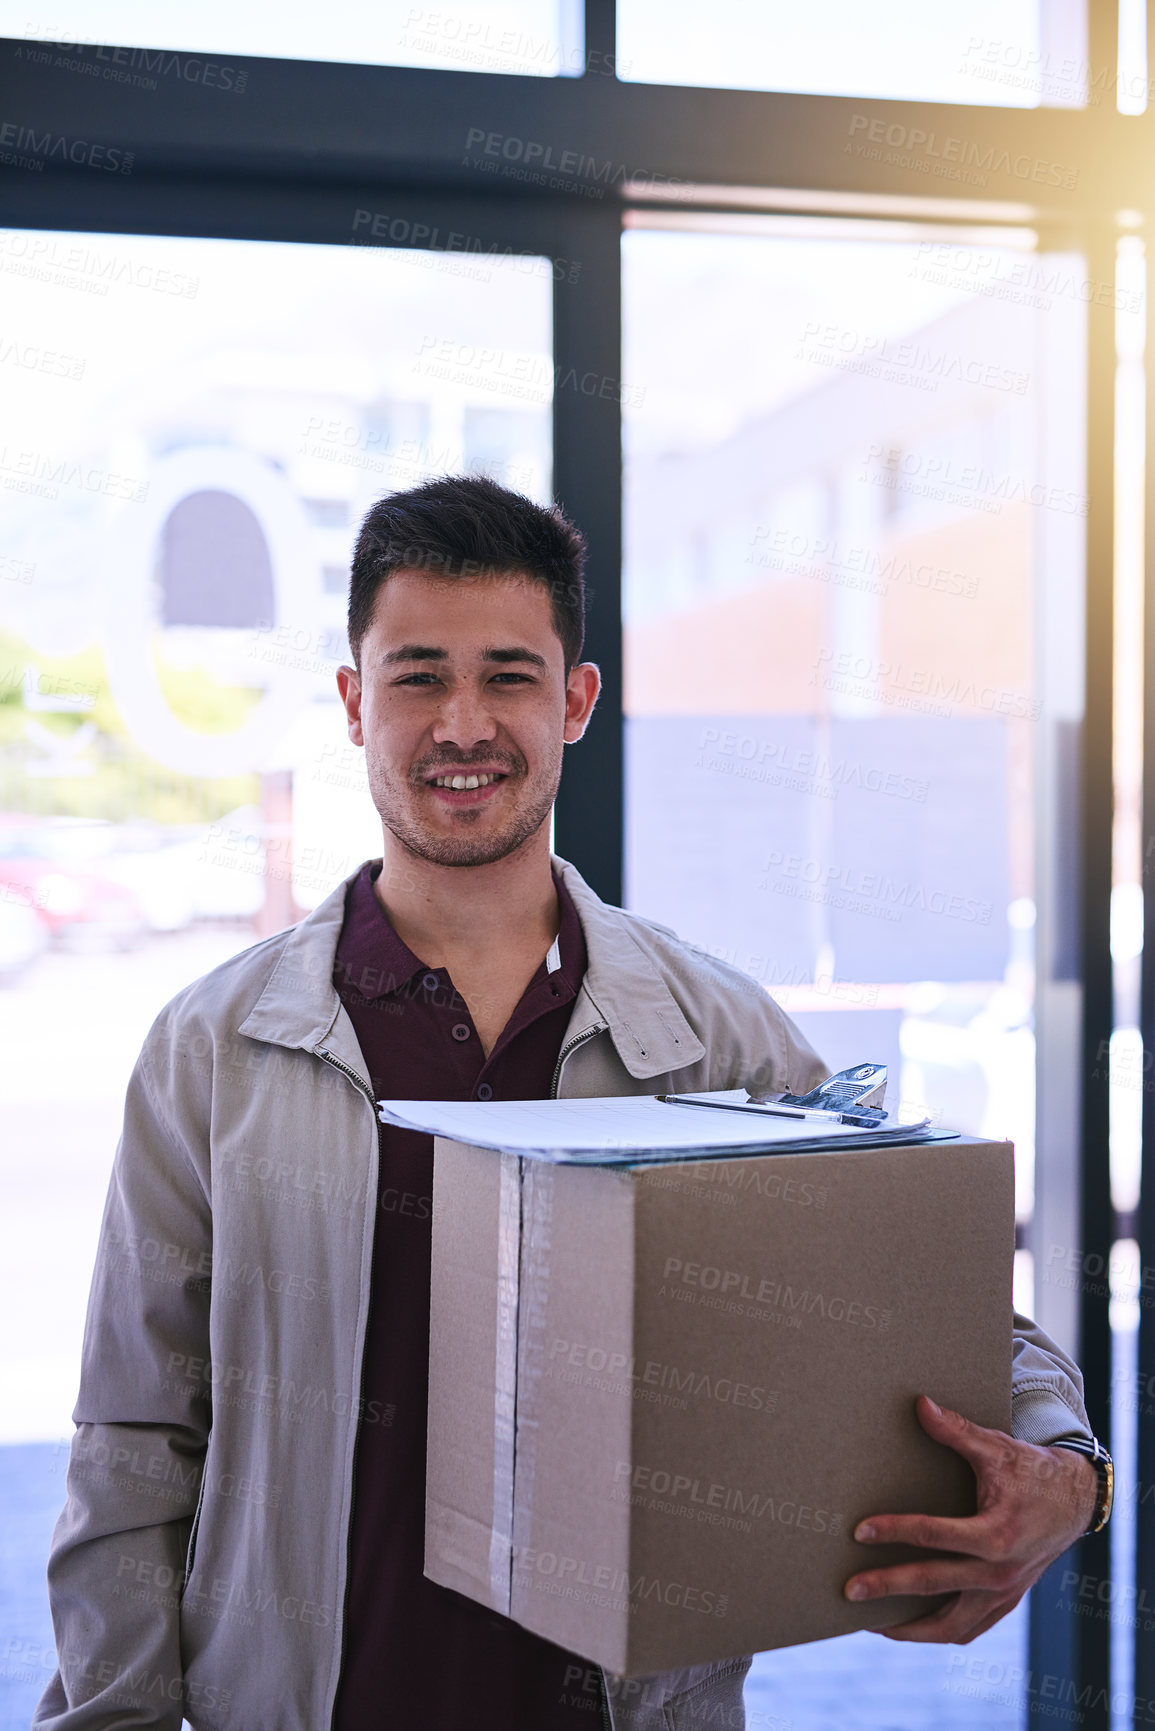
pixel 396 803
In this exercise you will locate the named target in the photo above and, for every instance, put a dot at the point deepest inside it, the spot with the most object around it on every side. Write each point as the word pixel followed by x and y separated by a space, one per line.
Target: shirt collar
pixel 371 959
pixel 374 962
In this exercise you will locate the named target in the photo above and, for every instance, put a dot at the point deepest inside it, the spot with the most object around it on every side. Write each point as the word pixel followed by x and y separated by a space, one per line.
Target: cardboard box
pixel 662 1397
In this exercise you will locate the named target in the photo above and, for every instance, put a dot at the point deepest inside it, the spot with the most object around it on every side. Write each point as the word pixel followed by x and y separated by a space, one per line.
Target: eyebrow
pixel 515 654
pixel 426 652
pixel 415 652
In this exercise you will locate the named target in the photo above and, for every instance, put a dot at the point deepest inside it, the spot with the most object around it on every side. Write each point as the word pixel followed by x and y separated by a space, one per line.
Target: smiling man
pixel 243 1538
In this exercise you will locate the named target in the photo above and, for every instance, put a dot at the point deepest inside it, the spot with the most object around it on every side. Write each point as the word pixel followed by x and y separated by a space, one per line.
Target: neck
pixel 445 913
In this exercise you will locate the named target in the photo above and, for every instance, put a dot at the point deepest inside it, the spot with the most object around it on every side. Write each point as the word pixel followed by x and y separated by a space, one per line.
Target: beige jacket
pixel 199 1564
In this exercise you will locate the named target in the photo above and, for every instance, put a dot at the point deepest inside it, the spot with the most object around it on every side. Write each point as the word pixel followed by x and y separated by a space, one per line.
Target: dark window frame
pixel 308 144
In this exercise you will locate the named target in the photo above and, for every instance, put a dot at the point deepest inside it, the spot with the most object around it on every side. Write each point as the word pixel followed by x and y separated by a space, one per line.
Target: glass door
pixel 190 432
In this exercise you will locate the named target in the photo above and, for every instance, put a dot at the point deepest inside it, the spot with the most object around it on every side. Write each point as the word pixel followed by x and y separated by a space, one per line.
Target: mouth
pixel 459 781
pixel 459 787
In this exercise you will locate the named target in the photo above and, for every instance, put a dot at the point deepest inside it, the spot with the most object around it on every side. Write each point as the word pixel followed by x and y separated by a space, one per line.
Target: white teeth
pixel 460 783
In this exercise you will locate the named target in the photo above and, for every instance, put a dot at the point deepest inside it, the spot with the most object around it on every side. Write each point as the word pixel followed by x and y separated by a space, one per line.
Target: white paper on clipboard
pixel 630 1128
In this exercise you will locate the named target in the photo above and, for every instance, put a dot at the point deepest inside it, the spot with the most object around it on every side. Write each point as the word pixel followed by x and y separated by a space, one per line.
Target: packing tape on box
pixel 525 1218
pixel 505 1396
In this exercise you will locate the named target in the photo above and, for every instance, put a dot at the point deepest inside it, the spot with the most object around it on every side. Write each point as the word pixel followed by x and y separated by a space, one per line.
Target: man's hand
pixel 1032 1504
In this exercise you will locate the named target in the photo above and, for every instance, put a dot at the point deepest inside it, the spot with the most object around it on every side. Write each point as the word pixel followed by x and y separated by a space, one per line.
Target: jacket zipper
pixel 359 1082
pixel 578 1040
pixel 348 1070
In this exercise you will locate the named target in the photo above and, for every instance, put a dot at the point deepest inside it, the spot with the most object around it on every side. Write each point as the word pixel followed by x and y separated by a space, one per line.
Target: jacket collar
pixel 623 989
pixel 299 1003
pixel 626 990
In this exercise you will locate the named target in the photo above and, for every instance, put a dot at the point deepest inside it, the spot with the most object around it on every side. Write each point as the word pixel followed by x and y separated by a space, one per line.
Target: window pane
pixel 839 484
pixel 538 37
pixel 849 466
pixel 993 52
pixel 190 431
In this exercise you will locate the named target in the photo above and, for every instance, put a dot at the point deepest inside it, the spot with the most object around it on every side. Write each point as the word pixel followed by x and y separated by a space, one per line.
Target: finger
pixel 977 1444
pixel 972 1535
pixel 923 1579
pixel 959 1622
pixel 932 1626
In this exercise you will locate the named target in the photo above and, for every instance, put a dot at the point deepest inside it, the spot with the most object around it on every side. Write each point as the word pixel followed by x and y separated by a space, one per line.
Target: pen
pixel 814 1113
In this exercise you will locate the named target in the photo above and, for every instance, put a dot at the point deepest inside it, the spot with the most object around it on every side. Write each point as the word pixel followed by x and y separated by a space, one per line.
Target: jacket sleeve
pixel 1046 1388
pixel 117 1564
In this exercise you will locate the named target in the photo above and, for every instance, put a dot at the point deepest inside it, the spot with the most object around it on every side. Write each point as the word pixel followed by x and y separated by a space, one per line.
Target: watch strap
pixel 1104 1467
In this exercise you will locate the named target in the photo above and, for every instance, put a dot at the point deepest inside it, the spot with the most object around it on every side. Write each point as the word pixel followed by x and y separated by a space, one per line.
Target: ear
pixel 581 693
pixel 349 685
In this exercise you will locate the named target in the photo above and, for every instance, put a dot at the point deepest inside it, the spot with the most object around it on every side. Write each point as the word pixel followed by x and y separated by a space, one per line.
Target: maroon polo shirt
pixel 417 1655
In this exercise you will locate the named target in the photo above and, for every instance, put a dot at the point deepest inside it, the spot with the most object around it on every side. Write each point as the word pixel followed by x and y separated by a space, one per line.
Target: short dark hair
pixel 469 526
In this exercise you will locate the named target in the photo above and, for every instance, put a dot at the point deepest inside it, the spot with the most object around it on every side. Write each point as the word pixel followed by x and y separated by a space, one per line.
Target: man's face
pixel 463 707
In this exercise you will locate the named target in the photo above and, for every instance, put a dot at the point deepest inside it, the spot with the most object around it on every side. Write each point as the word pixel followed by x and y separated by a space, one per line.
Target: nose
pixel 464 718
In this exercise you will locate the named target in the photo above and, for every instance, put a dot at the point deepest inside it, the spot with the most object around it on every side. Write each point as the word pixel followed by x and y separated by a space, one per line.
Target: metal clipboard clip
pixel 856 1095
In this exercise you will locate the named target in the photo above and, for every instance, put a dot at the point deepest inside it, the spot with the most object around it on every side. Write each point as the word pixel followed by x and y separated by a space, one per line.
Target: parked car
pixel 23 935
pixel 78 909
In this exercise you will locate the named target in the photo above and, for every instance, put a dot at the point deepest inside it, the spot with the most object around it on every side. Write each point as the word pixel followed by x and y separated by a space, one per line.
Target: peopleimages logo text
pixel 726 1499
pixel 603 1583
pixel 733 1283
pixel 875 890
pixel 47 145
pixel 980 159
pixel 536 159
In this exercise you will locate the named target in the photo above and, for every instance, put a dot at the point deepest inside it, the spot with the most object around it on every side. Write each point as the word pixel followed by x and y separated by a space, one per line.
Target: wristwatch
pixel 1104 1471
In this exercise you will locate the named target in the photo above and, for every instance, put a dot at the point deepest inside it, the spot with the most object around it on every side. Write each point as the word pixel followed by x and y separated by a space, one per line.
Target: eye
pixel 417 679
pixel 517 678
